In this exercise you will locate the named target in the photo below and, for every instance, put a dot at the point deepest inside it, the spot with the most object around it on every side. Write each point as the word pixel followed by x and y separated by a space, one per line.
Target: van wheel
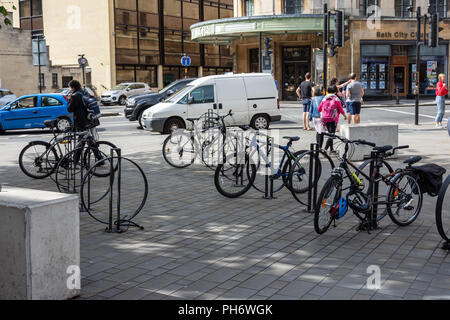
pixel 173 124
pixel 122 100
pixel 260 122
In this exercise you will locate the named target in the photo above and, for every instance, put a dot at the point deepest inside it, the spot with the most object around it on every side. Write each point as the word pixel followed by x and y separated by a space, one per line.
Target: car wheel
pixel 140 120
pixel 63 124
pixel 260 122
pixel 122 100
pixel 173 124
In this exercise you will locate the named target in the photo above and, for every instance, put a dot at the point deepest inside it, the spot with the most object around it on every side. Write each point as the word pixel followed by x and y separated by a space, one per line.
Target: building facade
pixel 380 45
pixel 128 40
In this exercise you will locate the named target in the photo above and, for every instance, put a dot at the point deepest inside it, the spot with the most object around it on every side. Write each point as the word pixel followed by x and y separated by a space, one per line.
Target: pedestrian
pixel 304 92
pixel 331 109
pixel 441 92
pixel 341 96
pixel 77 106
pixel 354 94
pixel 314 114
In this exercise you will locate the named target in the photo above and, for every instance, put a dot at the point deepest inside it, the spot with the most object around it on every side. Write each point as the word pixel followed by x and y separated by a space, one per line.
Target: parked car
pixel 31 111
pixel 66 91
pixel 137 104
pixel 252 98
pixel 121 92
pixel 6 96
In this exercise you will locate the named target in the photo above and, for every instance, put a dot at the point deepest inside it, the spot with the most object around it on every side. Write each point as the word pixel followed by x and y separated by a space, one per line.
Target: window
pixel 401 7
pixel 50 102
pixel 249 7
pixel 25 8
pixel 36 8
pixel 368 7
pixel 41 80
pixel 25 103
pixel 54 80
pixel 439 6
pixel 253 60
pixel 293 6
pixel 203 94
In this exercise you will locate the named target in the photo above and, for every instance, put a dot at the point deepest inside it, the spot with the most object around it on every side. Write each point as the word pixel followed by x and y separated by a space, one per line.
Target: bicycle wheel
pixel 178 149
pixel 97 152
pixel 404 199
pixel 38 159
pixel 299 173
pixel 384 170
pixel 211 147
pixel 233 178
pixel 443 211
pixel 327 204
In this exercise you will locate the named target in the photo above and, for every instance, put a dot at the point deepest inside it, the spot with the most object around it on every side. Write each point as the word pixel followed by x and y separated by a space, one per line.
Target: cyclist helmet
pixel 358 201
pixel 343 207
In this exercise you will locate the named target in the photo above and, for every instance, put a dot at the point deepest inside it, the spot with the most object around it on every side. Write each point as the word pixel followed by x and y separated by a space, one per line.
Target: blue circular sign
pixel 185 61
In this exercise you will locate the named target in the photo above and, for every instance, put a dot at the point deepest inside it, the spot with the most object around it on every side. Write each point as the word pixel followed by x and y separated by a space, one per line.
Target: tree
pixel 4 15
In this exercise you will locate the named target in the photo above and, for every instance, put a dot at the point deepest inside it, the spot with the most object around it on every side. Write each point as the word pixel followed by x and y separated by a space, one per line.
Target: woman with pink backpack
pixel 331 109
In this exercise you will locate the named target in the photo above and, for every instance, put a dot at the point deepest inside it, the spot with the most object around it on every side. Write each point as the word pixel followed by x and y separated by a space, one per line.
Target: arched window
pixel 401 8
pixel 293 6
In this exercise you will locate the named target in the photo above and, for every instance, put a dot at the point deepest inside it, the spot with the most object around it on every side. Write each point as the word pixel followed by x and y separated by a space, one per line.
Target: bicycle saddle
pixel 412 160
pixel 382 148
pixel 50 123
pixel 292 138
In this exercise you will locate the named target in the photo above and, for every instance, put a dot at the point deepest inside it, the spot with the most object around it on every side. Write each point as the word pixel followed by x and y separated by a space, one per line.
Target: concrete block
pixel 39 241
pixel 379 133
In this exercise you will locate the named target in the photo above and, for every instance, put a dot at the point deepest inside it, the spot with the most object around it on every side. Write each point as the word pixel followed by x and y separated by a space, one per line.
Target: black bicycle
pixel 443 213
pixel 403 201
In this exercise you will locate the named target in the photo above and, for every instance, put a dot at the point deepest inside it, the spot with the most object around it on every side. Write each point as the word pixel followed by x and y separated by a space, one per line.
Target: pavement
pixel 199 245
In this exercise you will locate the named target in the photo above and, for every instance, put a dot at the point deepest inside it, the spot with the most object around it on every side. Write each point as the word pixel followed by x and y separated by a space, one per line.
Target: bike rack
pixel 313 178
pixel 268 179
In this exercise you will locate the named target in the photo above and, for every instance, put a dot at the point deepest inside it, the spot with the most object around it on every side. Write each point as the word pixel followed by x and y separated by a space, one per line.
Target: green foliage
pixel 4 15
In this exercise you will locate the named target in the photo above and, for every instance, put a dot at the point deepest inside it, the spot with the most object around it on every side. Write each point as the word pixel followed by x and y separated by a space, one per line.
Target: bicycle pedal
pixel 409 208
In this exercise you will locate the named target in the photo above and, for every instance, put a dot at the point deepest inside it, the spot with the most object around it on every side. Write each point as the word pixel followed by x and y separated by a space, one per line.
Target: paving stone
pixel 339 294
pixel 127 274
pixel 238 293
pixel 394 288
pixel 258 281
pixel 296 288
pixel 188 268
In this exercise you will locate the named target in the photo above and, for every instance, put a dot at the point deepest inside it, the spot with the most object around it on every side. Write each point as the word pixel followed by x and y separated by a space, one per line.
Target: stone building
pixel 127 40
pixel 380 47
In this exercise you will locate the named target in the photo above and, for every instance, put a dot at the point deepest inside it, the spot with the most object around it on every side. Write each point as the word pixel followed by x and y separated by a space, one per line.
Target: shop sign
pixel 398 35
pixel 203 31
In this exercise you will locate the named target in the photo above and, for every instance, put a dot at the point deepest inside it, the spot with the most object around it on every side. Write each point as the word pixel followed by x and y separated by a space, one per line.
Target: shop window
pixel 439 6
pixel 249 7
pixel 368 7
pixel 293 6
pixel 401 8
pixel 375 74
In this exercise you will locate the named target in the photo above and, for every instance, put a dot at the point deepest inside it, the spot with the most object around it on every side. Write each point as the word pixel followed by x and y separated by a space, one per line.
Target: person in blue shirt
pixel 314 114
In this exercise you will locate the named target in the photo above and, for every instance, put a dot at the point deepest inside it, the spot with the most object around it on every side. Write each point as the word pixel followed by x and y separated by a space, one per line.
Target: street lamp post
pixel 416 109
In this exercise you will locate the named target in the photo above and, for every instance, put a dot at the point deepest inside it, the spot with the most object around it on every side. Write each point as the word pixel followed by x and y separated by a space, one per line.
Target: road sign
pixel 83 62
pixel 185 61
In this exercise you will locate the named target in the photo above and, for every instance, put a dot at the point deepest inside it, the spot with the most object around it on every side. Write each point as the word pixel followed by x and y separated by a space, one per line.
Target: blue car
pixel 31 111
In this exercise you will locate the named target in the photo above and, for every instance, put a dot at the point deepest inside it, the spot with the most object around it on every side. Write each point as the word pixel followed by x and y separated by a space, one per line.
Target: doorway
pixel 399 80
pixel 296 63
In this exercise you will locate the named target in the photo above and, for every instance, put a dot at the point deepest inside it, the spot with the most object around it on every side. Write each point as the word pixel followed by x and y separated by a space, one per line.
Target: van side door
pixel 262 96
pixel 231 96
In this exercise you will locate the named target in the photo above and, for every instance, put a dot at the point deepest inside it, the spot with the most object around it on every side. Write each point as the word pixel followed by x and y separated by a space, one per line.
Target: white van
pixel 252 98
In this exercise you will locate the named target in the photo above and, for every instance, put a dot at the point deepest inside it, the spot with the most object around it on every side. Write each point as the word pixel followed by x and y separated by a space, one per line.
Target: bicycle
pixel 230 173
pixel 179 148
pixel 443 213
pixel 362 203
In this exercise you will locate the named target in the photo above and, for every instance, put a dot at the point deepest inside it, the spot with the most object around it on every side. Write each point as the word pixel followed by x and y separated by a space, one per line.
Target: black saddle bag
pixel 429 178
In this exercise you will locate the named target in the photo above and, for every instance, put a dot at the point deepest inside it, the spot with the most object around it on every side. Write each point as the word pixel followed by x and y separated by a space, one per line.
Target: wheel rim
pixel 405 200
pixel 261 123
pixel 122 101
pixel 63 125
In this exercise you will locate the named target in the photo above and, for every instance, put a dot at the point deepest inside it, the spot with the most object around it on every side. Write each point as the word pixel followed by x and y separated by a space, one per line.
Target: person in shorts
pixel 354 94
pixel 304 92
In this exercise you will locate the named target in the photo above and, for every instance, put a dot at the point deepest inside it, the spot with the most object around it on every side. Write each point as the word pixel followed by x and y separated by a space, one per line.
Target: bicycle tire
pixel 238 171
pixel 88 151
pixel 166 149
pixel 439 219
pixel 287 170
pixel 393 193
pixel 49 170
pixel 333 183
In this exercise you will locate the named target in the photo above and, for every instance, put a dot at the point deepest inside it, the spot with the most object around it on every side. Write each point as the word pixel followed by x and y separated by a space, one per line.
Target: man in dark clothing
pixel 304 92
pixel 77 106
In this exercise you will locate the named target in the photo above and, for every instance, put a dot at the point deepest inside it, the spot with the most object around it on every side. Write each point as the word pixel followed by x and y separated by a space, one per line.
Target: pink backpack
pixel 330 109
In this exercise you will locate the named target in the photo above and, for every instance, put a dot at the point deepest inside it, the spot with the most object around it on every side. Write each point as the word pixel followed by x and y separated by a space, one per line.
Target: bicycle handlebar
pixel 359 141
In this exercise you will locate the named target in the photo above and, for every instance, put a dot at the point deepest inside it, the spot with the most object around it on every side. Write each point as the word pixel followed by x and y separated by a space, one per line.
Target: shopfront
pixel 390 66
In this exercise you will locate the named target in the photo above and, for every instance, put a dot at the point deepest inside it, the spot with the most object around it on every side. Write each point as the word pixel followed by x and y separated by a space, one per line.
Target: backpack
pixel 429 178
pixel 330 109
pixel 93 108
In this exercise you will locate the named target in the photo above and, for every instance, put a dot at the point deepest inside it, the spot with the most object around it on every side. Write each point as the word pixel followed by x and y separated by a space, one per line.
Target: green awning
pixel 223 31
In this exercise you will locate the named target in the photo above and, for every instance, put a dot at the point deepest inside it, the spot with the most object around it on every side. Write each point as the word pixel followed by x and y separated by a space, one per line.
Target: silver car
pixel 121 92
pixel 6 97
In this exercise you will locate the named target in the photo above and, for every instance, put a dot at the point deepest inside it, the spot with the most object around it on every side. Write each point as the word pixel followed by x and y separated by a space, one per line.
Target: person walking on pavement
pixel 441 92
pixel 304 92
pixel 331 109
pixel 77 106
pixel 354 94
pixel 314 114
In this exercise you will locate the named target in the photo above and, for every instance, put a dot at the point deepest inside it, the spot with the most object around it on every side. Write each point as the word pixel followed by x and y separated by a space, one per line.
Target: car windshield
pixel 170 86
pixel 64 90
pixel 120 87
pixel 178 94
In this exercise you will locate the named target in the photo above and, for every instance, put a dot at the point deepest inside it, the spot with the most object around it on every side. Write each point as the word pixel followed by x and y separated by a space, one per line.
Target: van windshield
pixel 178 94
